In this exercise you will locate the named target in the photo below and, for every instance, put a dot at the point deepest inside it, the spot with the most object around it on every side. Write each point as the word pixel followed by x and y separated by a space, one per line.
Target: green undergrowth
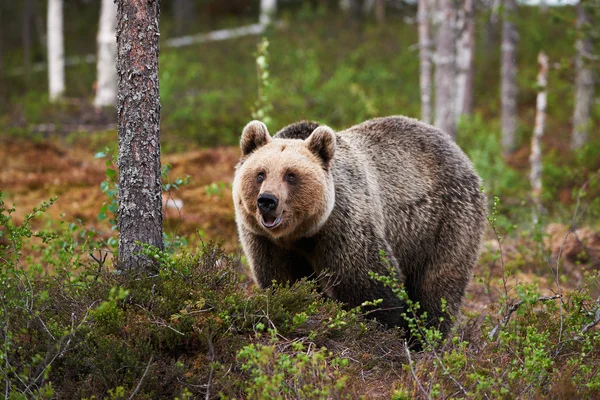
pixel 73 327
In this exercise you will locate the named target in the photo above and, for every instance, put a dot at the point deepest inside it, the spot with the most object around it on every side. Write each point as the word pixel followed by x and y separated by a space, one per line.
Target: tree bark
pixel 106 91
pixel 445 71
pixel 509 78
pixel 425 59
pixel 380 11
pixel 535 159
pixel 56 51
pixel 267 11
pixel 584 81
pixel 138 117
pixel 464 60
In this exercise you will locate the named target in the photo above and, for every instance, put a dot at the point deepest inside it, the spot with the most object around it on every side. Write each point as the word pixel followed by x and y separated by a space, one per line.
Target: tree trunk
pixel 464 60
pixel 380 11
pixel 138 117
pixel 425 60
pixel 445 71
pixel 56 51
pixel 26 36
pixel 584 81
pixel 509 78
pixel 106 91
pixel 267 11
pixel 356 8
pixel 535 158
pixel 183 14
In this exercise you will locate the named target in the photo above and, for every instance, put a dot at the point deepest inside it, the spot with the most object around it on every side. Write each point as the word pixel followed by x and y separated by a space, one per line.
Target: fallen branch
pixel 139 385
pixel 494 333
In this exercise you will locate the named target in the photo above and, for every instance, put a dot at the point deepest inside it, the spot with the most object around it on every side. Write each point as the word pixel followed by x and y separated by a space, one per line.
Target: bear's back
pixel 298 130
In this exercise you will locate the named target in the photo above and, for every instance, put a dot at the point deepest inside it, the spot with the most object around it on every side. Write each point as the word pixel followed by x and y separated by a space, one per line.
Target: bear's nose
pixel 267 202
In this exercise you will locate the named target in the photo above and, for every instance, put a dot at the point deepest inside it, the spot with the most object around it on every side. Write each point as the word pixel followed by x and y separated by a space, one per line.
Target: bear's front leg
pixel 343 274
pixel 269 262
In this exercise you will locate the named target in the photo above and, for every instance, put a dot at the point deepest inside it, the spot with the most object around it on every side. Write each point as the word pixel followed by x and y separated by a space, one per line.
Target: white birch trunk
pixel 584 82
pixel 425 59
pixel 445 71
pixel 535 159
pixel 464 59
pixel 106 85
pixel 56 52
pixel 267 11
pixel 509 78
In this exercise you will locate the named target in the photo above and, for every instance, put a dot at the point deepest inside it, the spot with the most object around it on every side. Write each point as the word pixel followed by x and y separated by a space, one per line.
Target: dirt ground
pixel 34 172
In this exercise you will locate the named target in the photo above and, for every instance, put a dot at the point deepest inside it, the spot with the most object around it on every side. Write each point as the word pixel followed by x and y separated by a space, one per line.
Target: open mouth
pixel 270 221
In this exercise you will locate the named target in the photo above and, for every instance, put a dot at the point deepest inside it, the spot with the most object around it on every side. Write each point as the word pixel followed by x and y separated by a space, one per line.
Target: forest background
pixel 71 327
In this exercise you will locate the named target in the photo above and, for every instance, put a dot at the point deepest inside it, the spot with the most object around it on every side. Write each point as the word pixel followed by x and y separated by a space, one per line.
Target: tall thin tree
pixel 584 81
pixel 139 215
pixel 380 11
pixel 464 59
pixel 510 39
pixel 445 68
pixel 267 11
pixel 425 59
pixel 106 83
pixel 535 158
pixel 56 50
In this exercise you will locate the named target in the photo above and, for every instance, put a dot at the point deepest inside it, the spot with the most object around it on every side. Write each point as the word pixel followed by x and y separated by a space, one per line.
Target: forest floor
pixel 35 171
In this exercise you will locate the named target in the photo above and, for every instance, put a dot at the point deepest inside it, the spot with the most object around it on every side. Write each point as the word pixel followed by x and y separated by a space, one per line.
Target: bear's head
pixel 283 188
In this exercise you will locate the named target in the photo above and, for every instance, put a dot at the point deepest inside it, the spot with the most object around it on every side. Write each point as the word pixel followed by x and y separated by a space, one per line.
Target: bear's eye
pixel 291 178
pixel 260 177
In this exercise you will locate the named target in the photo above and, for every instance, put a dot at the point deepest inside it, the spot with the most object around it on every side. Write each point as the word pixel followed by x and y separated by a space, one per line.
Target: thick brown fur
pixel 389 184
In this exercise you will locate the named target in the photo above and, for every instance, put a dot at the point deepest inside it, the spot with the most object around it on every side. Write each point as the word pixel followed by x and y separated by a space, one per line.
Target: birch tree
pixel 425 59
pixel 584 81
pixel 139 214
pixel 267 11
pixel 106 91
pixel 464 60
pixel 509 78
pixel 56 51
pixel 445 71
pixel 535 159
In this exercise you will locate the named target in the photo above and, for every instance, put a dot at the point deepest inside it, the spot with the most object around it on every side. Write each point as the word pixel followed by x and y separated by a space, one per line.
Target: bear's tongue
pixel 270 221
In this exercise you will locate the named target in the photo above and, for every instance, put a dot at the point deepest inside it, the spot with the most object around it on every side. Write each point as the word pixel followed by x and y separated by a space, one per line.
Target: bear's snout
pixel 267 202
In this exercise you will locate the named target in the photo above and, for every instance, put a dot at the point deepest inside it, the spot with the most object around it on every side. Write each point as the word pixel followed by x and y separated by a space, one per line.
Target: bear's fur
pixel 389 184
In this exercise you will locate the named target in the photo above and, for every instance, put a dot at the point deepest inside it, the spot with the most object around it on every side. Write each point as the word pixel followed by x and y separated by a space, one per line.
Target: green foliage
pixel 275 374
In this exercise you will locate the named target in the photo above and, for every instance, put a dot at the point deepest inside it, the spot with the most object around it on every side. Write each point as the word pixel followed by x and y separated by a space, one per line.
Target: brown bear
pixel 311 202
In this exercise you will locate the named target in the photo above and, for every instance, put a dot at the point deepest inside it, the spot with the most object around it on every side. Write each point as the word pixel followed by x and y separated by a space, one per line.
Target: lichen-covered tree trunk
pixel 106 92
pixel 535 158
pixel 464 59
pixel 584 81
pixel 445 68
pixel 56 50
pixel 139 214
pixel 509 78
pixel 425 59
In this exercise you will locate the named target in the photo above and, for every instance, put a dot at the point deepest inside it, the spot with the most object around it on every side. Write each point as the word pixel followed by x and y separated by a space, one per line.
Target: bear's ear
pixel 254 135
pixel 321 142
